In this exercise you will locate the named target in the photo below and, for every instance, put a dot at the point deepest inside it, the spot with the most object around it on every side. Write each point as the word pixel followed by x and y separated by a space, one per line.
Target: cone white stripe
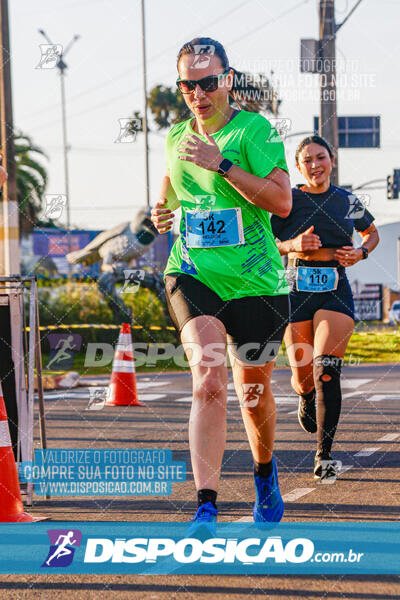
pixel 5 440
pixel 127 365
pixel 124 350
pixel 125 370
pixel 126 344
pixel 124 338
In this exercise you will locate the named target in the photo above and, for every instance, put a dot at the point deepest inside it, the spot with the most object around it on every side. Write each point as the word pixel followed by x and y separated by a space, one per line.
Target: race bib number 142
pixel 214 228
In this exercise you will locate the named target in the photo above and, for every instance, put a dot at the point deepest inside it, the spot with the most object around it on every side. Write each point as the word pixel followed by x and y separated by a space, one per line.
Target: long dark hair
pixel 313 139
pixel 246 92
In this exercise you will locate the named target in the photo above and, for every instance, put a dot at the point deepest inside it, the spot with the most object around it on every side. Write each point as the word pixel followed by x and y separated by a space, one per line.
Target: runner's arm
pixel 272 193
pixel 168 192
pixel 162 215
pixel 370 238
pixel 306 241
pixel 348 255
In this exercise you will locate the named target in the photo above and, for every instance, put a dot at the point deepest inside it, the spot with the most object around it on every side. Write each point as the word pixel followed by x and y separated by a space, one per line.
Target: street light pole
pixel 66 170
pixel 62 66
pixel 11 341
pixel 144 125
pixel 9 235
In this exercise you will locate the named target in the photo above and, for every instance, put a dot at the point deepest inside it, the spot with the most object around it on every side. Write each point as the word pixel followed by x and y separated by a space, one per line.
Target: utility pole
pixel 9 222
pixel 144 124
pixel 319 56
pixel 62 66
pixel 328 122
pixel 11 348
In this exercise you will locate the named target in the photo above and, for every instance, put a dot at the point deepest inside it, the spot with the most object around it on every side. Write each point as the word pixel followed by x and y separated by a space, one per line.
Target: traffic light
pixel 393 185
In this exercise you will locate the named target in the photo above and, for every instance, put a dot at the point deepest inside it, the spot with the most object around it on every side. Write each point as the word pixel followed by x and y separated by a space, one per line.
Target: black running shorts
pixel 304 305
pixel 255 324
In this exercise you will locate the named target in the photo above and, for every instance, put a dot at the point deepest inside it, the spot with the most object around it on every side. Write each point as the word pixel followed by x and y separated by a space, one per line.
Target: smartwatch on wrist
pixel 365 252
pixel 224 167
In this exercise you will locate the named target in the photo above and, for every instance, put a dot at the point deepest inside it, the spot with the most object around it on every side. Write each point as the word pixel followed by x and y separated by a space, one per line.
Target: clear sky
pixel 104 84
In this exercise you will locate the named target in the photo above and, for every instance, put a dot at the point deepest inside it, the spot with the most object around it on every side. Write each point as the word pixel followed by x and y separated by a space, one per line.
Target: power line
pixel 85 208
pixel 283 14
pixel 115 98
pixel 348 16
pixel 131 69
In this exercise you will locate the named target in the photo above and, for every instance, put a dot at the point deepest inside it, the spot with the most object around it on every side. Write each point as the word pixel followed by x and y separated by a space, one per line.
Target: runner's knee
pixel 210 385
pixel 327 371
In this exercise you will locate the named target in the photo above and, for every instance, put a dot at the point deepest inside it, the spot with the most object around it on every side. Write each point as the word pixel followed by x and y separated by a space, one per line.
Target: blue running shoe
pixel 203 524
pixel 268 506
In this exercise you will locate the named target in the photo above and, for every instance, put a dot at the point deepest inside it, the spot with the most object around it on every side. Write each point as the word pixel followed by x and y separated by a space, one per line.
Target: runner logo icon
pixel 62 542
pixel 62 349
pixel 251 394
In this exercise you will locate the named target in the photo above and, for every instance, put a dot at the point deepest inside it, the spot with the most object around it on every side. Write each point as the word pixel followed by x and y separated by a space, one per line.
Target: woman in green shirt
pixel 224 278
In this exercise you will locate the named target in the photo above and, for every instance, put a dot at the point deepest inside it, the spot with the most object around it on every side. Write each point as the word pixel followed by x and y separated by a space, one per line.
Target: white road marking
pixel 366 451
pixel 386 392
pixel 151 397
pixel 348 382
pixel 350 394
pixel 169 393
pixel 345 468
pixel 296 494
pixel 376 398
pixel 142 385
pixel 389 437
pixel 67 394
pixel 284 400
pixel 293 412
pixel 380 397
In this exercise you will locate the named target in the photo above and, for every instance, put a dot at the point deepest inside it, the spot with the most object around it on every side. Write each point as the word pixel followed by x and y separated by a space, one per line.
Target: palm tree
pixel 31 181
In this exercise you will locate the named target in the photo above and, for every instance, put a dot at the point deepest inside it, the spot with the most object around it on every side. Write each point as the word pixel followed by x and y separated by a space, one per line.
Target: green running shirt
pixel 255 267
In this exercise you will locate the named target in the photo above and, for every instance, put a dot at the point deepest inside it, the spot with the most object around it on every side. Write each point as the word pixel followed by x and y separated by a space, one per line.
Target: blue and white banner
pixel 84 472
pixel 234 548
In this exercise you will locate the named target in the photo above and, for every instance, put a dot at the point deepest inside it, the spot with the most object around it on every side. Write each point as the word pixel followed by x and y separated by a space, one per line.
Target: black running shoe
pixel 326 470
pixel 306 412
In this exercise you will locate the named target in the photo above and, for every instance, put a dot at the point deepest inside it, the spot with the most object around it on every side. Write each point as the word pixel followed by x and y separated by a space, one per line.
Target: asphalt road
pixel 367 444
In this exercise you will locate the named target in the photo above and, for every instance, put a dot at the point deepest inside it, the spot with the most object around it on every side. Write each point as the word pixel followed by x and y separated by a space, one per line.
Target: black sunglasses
pixel 207 84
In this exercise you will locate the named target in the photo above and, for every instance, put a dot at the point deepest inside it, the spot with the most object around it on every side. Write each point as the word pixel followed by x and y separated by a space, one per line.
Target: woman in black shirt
pixel 317 237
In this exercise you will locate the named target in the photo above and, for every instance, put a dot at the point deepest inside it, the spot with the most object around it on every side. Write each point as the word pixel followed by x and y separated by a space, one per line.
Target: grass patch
pixel 374 346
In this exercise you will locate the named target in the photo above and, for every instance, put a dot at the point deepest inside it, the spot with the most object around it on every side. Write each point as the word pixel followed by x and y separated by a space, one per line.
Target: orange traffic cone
pixel 122 390
pixel 11 508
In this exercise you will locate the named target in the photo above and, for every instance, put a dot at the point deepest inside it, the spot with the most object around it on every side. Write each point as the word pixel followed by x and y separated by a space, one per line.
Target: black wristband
pixel 365 252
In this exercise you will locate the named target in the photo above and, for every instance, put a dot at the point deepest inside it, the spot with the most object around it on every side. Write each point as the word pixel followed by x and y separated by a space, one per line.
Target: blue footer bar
pixel 230 548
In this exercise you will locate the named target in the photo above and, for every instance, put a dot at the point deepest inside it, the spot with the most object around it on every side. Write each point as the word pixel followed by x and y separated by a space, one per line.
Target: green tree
pixel 167 106
pixel 31 182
